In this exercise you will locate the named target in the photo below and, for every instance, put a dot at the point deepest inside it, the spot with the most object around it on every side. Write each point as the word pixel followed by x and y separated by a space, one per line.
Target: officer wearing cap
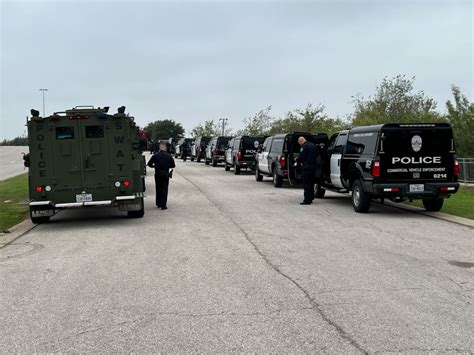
pixel 309 159
pixel 162 162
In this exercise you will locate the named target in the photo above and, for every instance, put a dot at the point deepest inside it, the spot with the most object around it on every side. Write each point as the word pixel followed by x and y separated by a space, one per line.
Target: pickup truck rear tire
pixel 258 176
pixel 236 169
pixel 227 167
pixel 319 192
pixel 433 205
pixel 214 162
pixel 360 199
pixel 277 179
pixel 192 158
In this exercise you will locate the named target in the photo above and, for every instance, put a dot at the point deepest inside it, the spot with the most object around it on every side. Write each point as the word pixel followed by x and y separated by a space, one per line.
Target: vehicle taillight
pixel 239 155
pixel 283 162
pixel 126 183
pixel 456 168
pixel 376 169
pixel 38 188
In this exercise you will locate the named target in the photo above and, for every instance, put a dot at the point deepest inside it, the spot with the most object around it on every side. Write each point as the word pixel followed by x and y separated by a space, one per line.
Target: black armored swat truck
pixel 84 157
pixel 395 161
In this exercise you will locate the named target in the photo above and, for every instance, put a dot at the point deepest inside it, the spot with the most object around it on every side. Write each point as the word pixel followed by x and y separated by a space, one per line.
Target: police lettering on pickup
pixel 395 161
pixel 84 157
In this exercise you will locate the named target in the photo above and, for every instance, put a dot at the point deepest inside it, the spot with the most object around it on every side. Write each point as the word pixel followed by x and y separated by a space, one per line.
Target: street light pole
pixel 43 90
pixel 224 122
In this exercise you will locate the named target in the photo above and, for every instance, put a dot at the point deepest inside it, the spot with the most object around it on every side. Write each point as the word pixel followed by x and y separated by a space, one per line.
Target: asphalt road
pixel 237 265
pixel 11 161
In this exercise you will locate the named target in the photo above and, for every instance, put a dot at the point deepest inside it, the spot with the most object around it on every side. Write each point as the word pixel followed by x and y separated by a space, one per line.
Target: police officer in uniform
pixel 162 162
pixel 309 159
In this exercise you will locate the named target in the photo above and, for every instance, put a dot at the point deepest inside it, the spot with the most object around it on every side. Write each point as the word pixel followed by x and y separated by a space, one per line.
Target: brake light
pixel 239 155
pixel 376 169
pixel 126 183
pixel 391 189
pixel 283 162
pixel 456 168
pixel 38 188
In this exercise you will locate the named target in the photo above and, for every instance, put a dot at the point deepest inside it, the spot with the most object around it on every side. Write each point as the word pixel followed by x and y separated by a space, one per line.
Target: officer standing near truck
pixel 162 162
pixel 309 159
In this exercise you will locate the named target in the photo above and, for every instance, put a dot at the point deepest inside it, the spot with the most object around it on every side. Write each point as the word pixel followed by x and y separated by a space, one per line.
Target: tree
pixel 259 124
pixel 395 101
pixel 164 129
pixel 209 129
pixel 461 116
pixel 311 119
pixel 15 141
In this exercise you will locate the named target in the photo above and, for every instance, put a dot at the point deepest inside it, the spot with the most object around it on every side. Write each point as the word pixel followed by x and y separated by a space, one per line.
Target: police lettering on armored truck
pixel 84 157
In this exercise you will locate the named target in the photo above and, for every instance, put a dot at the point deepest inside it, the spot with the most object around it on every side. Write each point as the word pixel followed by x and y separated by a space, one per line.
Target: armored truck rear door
pixel 67 173
pixel 95 150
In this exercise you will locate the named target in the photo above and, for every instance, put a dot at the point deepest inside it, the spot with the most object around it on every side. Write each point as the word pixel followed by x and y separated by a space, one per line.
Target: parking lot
pixel 238 265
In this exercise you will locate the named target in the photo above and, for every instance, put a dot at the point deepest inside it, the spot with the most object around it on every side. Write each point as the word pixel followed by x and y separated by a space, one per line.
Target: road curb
pixel 16 232
pixel 438 215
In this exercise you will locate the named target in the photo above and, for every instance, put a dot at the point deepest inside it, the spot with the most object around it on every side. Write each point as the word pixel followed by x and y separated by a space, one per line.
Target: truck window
pixel 64 133
pixel 361 143
pixel 340 142
pixel 277 146
pixel 95 131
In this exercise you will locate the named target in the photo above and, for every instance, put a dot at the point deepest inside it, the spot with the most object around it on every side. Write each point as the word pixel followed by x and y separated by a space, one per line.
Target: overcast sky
pixel 194 61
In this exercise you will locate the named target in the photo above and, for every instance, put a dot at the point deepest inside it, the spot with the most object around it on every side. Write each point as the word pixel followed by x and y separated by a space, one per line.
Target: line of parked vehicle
pixel 391 161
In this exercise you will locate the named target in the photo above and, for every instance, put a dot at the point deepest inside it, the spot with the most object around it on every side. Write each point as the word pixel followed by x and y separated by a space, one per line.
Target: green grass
pixel 460 204
pixel 12 191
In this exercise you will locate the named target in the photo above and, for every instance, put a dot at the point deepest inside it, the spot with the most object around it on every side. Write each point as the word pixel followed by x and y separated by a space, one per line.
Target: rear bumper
pixel 116 201
pixel 402 190
pixel 245 163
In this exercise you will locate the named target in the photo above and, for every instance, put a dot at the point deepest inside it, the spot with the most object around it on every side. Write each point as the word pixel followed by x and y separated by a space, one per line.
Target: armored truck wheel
pixel 277 179
pixel 360 199
pixel 319 192
pixel 258 176
pixel 137 214
pixel 40 220
pixel 433 205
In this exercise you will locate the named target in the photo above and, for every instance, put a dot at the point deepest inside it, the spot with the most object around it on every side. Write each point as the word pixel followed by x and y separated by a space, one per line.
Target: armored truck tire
pixel 236 169
pixel 360 199
pixel 319 192
pixel 258 176
pixel 137 214
pixel 433 205
pixel 227 167
pixel 277 179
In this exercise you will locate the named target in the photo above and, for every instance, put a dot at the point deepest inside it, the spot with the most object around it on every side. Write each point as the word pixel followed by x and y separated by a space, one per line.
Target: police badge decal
pixel 416 143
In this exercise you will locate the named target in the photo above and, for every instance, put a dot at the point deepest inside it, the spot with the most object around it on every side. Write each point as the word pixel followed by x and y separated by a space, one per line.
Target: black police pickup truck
pixel 278 155
pixel 395 161
pixel 240 153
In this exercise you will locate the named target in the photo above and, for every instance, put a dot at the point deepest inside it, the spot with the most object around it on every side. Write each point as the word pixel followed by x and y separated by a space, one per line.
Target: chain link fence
pixel 466 170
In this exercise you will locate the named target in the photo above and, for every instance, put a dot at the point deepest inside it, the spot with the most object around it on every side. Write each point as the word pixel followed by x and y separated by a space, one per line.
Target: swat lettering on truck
pixel 396 161
pixel 84 157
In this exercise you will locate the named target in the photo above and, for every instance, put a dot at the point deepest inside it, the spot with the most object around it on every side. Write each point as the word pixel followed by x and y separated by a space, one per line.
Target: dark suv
pixel 183 148
pixel 277 157
pixel 241 152
pixel 199 149
pixel 215 151
pixel 395 161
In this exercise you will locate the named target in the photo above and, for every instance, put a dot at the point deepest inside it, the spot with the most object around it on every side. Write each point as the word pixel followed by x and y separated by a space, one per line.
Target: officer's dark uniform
pixel 162 162
pixel 309 158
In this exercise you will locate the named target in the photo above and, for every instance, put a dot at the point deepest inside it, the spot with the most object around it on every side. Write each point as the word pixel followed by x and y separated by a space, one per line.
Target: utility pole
pixel 43 90
pixel 224 122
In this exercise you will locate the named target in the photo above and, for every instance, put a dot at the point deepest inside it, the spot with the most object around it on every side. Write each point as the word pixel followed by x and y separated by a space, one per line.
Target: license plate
pixel 42 213
pixel 417 188
pixel 84 198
